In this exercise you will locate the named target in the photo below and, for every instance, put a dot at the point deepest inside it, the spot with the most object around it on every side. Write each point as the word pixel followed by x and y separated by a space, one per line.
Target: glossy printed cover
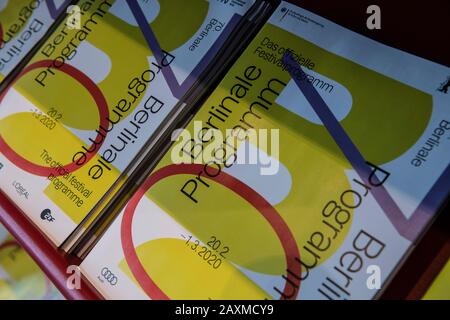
pixel 93 95
pixel 353 167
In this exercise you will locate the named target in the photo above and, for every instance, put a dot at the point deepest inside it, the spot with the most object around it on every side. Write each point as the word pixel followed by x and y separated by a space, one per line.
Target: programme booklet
pixel 352 164
pixel 93 95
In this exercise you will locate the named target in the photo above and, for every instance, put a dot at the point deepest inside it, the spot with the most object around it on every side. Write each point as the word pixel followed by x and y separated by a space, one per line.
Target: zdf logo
pixel 74 279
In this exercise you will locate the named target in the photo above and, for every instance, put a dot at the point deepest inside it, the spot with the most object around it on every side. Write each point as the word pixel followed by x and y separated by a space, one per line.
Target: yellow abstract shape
pixel 30 136
pixel 440 289
pixel 252 241
pixel 387 116
pixel 6 292
pixel 75 106
pixel 181 273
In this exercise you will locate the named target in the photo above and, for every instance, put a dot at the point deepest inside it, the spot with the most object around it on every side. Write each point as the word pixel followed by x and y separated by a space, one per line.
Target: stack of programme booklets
pixel 226 150
pixel 98 93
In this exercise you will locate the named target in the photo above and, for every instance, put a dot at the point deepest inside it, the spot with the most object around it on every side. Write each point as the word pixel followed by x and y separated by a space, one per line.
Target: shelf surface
pixel 52 261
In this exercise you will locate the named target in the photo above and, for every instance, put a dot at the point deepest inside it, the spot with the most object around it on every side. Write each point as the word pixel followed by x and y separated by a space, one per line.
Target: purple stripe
pixel 408 228
pixel 178 90
pixel 54 13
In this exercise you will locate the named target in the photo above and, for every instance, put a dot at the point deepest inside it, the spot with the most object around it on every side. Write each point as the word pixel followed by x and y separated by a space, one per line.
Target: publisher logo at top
pixel 298 16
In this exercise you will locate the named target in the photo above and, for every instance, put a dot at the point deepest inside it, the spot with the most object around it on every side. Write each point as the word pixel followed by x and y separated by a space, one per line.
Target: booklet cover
pixel 94 94
pixel 22 24
pixel 308 174
pixel 20 277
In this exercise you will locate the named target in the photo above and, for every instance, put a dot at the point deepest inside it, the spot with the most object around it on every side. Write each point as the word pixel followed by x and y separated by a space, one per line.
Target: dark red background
pixel 418 27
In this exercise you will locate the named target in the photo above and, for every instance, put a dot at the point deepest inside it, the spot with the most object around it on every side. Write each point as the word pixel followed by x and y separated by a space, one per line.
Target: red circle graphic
pixel 250 195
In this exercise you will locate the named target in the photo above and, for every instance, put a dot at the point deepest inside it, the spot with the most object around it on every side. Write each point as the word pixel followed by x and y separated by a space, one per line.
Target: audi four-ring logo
pixel 109 276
